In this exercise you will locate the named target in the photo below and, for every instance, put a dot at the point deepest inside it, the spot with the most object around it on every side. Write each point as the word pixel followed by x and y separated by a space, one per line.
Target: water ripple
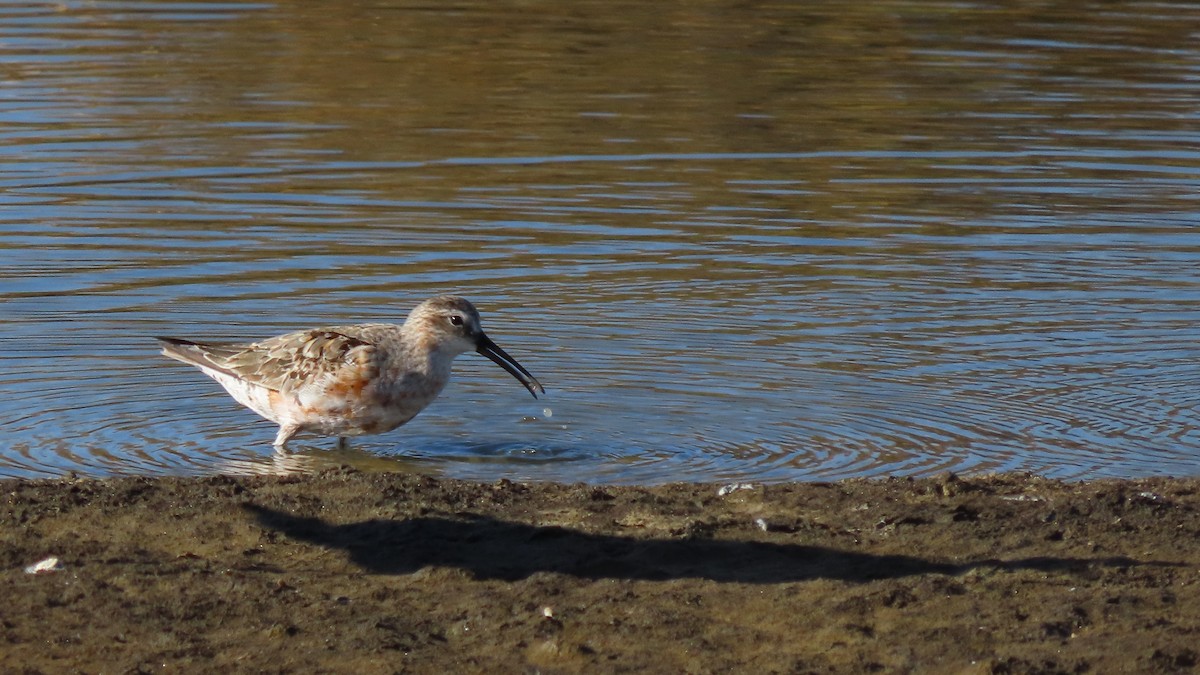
pixel 867 245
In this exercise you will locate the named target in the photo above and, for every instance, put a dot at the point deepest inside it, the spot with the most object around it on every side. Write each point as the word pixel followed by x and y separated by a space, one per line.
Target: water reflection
pixel 737 242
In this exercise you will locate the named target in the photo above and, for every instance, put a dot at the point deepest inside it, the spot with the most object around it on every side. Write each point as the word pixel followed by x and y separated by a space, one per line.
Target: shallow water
pixel 735 242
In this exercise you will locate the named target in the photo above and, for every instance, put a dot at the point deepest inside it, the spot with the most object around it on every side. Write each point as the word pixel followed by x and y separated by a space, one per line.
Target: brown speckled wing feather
pixel 292 360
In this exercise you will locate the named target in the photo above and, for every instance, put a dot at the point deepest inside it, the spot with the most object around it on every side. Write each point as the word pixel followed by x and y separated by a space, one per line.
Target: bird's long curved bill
pixel 491 350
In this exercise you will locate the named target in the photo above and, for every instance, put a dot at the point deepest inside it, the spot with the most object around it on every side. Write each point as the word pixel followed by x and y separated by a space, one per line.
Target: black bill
pixel 485 346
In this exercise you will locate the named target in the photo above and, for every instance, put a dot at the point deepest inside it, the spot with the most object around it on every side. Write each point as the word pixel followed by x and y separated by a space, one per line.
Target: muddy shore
pixel 378 573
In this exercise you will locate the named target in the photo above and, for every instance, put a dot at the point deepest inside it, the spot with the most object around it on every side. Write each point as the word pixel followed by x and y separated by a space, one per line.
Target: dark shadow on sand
pixel 494 549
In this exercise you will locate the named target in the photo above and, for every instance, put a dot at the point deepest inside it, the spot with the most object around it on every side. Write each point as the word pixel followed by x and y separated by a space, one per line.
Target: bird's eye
pixel 456 320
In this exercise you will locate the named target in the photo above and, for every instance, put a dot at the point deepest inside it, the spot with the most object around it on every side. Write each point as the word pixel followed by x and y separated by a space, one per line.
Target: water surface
pixel 737 242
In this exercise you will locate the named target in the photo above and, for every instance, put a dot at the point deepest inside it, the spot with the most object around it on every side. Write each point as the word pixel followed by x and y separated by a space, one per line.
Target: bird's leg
pixel 342 443
pixel 286 431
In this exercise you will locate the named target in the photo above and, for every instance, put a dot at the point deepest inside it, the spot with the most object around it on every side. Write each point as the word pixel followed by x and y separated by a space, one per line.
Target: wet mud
pixel 379 573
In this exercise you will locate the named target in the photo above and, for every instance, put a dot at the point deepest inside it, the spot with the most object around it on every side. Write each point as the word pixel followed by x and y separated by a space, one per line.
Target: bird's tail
pixel 191 353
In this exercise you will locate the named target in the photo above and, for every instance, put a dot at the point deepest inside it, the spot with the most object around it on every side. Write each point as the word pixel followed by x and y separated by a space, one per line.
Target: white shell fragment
pixel 44 566
pixel 734 487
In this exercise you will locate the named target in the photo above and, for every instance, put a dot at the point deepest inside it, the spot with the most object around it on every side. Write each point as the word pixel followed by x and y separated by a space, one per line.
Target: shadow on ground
pixel 495 549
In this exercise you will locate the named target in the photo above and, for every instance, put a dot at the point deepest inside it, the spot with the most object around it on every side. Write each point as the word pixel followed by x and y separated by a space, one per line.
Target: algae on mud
pixel 362 572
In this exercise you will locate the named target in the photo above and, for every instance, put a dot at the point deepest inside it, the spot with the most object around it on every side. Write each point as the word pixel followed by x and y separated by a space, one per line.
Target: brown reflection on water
pixel 887 112
pixel 276 84
pixel 545 78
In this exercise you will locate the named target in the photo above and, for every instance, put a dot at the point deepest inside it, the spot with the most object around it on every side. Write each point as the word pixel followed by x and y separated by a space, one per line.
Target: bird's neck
pixel 422 356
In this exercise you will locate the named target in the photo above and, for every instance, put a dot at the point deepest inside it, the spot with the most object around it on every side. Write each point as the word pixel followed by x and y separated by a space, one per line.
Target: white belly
pixel 376 409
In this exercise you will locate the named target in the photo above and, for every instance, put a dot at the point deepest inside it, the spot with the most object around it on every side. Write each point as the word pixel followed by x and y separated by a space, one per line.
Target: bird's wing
pixel 285 362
